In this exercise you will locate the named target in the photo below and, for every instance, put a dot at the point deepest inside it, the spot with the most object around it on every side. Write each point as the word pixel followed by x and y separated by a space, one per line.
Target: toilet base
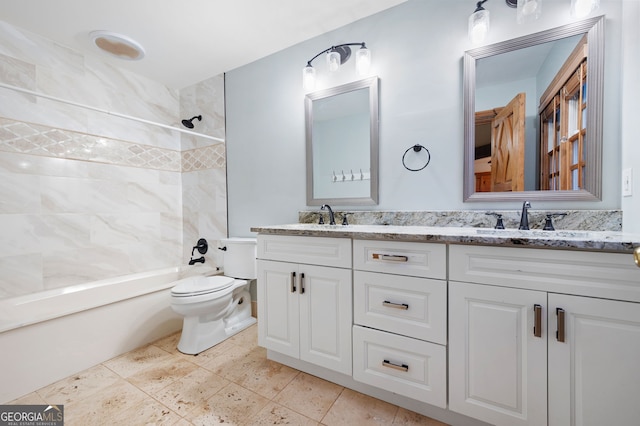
pixel 199 335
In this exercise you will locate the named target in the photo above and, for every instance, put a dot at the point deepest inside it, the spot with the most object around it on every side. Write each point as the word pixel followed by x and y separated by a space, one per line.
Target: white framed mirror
pixel 533 116
pixel 341 125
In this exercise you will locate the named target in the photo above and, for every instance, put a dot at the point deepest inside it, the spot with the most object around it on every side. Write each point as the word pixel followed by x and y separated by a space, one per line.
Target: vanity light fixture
pixel 527 10
pixel 479 23
pixel 581 8
pixel 336 56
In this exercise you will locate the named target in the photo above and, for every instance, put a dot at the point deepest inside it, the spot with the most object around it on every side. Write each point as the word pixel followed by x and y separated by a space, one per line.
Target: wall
pixel 417 52
pixel 88 195
pixel 204 179
pixel 630 95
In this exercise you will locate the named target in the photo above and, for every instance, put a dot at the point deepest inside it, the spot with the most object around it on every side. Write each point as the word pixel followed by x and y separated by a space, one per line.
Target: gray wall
pixel 417 50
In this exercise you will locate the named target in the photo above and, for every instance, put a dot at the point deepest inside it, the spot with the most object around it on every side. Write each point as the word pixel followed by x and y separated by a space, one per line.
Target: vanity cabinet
pixel 400 318
pixel 305 299
pixel 517 345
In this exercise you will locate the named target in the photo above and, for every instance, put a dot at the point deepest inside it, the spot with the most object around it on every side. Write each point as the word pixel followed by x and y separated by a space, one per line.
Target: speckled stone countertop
pixel 610 241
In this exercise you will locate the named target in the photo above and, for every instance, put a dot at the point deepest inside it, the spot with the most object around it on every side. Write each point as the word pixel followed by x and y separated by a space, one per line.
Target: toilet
pixel 217 307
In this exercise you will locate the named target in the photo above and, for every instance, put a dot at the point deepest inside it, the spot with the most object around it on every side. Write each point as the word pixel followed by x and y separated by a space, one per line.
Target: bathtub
pixel 53 334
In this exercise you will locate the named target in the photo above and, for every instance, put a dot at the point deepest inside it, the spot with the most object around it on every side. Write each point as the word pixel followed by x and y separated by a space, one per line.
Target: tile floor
pixel 232 384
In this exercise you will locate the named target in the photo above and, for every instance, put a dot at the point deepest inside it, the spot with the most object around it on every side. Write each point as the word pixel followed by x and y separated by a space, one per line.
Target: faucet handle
pixel 498 216
pixel 344 219
pixel 321 221
pixel 548 222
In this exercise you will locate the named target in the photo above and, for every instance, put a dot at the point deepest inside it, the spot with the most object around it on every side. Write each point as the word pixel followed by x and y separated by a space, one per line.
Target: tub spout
pixel 198 260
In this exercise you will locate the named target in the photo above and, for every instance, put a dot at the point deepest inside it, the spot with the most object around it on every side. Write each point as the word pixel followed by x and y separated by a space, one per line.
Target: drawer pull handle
pixel 389 364
pixel 402 306
pixel 560 332
pixel 537 326
pixel 293 282
pixel 390 257
pixel 636 256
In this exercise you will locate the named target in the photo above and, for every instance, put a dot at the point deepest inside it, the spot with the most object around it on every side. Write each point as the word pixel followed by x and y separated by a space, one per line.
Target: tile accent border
pixel 35 139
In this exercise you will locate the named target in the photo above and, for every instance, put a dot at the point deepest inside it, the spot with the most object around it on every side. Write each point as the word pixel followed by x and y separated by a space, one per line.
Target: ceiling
pixel 187 41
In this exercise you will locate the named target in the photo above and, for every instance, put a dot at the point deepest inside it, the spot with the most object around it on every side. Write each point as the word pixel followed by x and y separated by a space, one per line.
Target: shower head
pixel 189 123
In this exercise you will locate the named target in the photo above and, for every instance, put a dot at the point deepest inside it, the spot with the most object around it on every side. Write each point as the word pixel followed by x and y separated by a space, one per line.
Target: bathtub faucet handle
pixel 202 246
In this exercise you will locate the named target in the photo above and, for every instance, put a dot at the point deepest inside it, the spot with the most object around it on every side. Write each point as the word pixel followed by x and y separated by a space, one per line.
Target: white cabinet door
pixel 278 311
pixel 305 312
pixel 325 317
pixel 594 378
pixel 497 366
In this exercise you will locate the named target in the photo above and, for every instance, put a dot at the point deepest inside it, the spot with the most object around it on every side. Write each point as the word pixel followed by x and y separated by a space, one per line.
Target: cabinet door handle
pixel 560 332
pixel 389 364
pixel 302 283
pixel 388 304
pixel 537 326
pixel 390 257
pixel 636 256
pixel 293 282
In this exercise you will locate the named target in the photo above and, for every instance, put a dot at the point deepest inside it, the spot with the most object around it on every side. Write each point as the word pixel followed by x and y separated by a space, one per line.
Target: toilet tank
pixel 239 257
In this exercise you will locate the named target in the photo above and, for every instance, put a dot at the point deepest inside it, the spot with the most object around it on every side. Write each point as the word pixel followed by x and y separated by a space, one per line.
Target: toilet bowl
pixel 217 307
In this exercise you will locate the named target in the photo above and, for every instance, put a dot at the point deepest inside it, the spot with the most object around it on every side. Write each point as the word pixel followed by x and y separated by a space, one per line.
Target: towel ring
pixel 416 148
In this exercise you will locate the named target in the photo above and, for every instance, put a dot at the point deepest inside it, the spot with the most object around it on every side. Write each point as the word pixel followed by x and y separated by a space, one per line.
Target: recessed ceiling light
pixel 117 45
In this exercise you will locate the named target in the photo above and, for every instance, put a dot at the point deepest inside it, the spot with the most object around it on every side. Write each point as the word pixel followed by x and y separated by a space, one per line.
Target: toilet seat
pixel 197 286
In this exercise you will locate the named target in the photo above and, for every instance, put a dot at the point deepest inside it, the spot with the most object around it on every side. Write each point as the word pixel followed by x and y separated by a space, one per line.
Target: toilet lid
pixel 200 285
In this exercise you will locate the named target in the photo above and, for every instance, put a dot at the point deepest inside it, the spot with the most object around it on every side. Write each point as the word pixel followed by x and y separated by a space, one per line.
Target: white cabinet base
pixel 347 381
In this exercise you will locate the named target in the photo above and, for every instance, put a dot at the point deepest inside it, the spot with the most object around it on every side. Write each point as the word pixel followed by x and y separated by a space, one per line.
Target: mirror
pixel 341 126
pixel 523 95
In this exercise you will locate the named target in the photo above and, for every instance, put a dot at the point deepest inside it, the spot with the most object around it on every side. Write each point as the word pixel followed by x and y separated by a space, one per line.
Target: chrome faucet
pixel 332 219
pixel 524 216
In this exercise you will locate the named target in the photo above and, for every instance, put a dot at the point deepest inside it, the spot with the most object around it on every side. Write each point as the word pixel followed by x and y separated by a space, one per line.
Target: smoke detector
pixel 117 45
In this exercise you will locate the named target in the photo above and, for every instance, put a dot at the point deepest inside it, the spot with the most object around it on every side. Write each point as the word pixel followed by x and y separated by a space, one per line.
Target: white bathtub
pixel 51 335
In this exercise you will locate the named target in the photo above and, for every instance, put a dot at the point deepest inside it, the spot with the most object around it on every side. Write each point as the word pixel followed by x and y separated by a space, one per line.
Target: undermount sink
pixel 536 233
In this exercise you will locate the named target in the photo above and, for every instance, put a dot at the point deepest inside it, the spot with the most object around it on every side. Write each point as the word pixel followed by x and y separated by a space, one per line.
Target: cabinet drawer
pixel 399 364
pixel 310 250
pixel 403 258
pixel 595 274
pixel 411 306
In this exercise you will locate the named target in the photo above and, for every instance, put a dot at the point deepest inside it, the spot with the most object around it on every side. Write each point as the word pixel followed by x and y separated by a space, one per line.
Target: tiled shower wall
pixel 86 195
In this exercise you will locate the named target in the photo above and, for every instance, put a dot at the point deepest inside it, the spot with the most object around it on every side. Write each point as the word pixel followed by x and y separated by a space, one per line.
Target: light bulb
pixel 333 60
pixel 308 78
pixel 363 61
pixel 581 8
pixel 478 26
pixel 528 10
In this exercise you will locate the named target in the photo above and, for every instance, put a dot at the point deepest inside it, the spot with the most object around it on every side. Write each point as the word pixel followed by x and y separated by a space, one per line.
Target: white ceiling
pixel 187 41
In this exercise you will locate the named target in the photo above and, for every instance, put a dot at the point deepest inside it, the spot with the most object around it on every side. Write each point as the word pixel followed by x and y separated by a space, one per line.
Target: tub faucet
pixel 202 248
pixel 524 216
pixel 198 260
pixel 332 219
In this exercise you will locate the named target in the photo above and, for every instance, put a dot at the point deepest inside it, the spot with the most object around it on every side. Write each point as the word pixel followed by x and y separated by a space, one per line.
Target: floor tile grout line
pixel 332 404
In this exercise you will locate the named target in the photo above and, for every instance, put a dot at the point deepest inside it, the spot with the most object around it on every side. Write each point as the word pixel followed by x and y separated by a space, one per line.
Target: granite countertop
pixel 610 241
